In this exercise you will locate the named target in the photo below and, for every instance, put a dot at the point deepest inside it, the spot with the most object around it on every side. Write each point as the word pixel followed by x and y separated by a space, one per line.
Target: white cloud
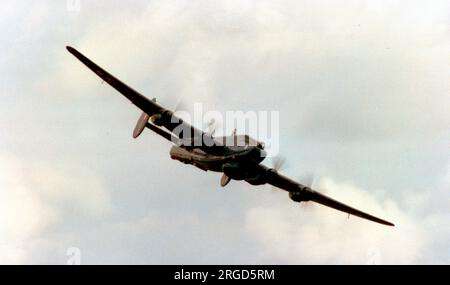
pixel 35 197
pixel 371 70
pixel 320 235
pixel 23 214
pixel 69 187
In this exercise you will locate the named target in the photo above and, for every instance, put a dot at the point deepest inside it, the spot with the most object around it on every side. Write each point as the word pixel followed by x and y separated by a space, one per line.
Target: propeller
pixel 308 179
pixel 180 105
pixel 278 162
pixel 212 126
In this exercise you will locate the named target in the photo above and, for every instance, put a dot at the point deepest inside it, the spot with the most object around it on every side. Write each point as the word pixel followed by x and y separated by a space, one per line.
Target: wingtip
pixel 70 49
pixel 386 223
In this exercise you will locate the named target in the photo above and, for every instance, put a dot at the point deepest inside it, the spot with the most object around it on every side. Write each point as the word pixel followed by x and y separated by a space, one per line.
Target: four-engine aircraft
pixel 238 161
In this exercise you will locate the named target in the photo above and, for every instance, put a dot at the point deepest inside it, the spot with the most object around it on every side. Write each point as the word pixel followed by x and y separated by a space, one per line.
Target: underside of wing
pixel 302 193
pixel 329 202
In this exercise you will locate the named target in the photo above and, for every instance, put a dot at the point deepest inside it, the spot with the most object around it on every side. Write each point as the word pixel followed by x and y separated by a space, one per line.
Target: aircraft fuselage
pixel 236 156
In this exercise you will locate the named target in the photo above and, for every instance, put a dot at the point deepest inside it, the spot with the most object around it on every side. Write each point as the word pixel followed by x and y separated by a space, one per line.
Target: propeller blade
pixel 180 105
pixel 278 162
pixel 211 126
pixel 309 179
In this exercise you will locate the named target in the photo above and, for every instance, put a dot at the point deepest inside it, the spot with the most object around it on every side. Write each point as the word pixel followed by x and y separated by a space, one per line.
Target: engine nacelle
pixel 156 119
pixel 257 180
pixel 162 119
pixel 250 174
pixel 299 195
pixel 234 171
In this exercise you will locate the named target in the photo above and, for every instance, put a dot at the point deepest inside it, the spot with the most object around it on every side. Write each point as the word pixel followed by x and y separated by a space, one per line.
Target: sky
pixel 362 91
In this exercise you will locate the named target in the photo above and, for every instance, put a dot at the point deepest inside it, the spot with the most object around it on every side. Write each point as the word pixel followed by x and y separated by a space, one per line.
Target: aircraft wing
pixel 150 107
pixel 143 103
pixel 302 193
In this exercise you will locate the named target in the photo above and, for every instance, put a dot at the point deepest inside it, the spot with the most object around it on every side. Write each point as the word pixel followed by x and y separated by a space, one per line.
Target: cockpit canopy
pixel 240 141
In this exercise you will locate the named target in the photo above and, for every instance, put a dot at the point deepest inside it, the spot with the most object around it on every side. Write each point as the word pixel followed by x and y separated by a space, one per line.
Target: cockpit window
pixel 240 141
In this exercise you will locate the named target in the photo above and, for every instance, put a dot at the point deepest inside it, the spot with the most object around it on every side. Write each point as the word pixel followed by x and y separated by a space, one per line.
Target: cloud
pixel 319 235
pixel 22 213
pixel 370 73
pixel 362 90
pixel 35 197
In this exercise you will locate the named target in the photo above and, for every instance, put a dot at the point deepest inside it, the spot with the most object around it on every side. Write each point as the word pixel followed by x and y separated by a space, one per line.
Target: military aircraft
pixel 239 160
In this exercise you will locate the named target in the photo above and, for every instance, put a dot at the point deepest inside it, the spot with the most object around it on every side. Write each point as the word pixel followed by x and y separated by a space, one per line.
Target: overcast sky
pixel 362 88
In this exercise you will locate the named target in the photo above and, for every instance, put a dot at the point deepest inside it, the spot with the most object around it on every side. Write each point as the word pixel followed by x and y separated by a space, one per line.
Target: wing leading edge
pixel 299 193
pixel 135 97
pixel 150 107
